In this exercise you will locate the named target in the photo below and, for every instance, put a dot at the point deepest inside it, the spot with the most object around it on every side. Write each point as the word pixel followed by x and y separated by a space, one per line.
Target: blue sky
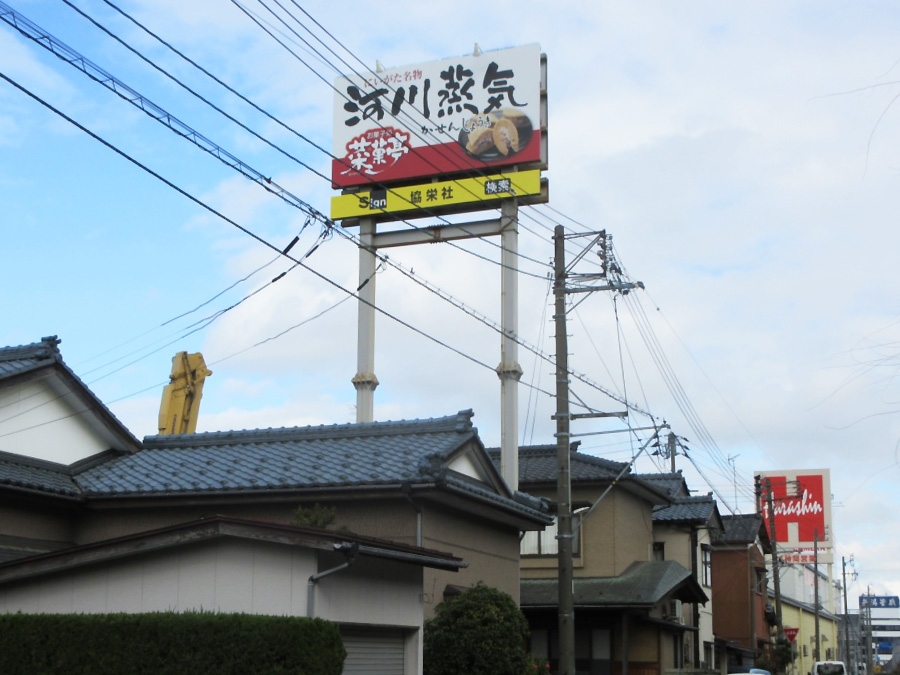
pixel 742 156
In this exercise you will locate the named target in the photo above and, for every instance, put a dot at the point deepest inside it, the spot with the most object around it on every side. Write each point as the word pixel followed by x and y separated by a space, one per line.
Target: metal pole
pixel 365 380
pixel 509 370
pixel 846 615
pixel 563 480
pixel 817 651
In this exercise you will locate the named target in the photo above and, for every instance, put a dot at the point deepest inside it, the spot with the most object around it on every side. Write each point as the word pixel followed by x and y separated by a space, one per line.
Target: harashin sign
pixel 470 114
pixel 801 501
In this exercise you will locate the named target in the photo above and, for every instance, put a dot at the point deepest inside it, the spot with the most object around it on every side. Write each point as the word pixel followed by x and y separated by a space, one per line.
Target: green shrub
pixel 479 632
pixel 168 643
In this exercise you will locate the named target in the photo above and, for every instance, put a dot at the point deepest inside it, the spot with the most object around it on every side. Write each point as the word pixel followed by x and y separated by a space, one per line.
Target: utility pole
pixel 869 659
pixel 846 616
pixel 672 445
pixel 563 479
pixel 776 579
pixel 816 653
pixel 564 520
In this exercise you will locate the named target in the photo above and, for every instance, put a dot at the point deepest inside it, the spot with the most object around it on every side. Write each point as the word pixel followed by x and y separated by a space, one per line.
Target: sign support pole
pixel 365 381
pixel 509 370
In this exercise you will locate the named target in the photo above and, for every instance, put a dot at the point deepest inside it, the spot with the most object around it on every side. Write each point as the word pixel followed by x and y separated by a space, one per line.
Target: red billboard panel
pixel 473 113
pixel 801 509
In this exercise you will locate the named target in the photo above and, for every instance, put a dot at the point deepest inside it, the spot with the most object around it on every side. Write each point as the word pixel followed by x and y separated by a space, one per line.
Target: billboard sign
pixel 879 601
pixel 472 113
pixel 801 502
pixel 425 198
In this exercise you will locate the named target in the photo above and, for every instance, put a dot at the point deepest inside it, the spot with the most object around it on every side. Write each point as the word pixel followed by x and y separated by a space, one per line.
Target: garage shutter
pixel 373 652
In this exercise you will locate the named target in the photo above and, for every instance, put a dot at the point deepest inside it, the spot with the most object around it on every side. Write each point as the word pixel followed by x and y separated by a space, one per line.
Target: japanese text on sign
pixel 458 115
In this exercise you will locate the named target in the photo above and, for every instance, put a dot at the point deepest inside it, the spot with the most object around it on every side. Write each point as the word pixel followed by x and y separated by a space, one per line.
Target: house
pixel 684 531
pixel 91 519
pixel 629 600
pixel 742 614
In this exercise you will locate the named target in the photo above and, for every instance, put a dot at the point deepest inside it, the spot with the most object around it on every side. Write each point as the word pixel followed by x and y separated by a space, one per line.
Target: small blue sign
pixel 876 601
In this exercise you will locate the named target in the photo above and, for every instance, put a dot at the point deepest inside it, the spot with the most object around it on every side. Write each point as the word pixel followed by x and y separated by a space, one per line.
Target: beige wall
pixel 617 533
pixel 492 552
pixel 21 519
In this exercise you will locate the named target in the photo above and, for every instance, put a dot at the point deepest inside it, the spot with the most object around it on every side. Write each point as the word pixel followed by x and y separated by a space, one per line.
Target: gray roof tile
pixel 23 358
pixel 371 455
pixel 537 464
pixel 34 474
pixel 378 453
pixel 741 529
pixel 672 483
pixel 697 509
pixel 642 584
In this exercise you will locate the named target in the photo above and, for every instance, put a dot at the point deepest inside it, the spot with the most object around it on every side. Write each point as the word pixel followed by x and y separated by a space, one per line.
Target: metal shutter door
pixel 373 652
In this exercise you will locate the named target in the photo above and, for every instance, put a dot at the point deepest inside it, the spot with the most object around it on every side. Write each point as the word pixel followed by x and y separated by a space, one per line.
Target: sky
pixel 741 155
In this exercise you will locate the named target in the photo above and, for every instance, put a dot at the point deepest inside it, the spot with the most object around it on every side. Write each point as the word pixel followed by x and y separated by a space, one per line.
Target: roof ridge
pixel 461 422
pixel 47 348
pixel 34 462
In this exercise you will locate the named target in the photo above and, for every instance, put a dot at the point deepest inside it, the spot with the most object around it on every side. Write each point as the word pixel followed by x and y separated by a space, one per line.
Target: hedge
pixel 169 643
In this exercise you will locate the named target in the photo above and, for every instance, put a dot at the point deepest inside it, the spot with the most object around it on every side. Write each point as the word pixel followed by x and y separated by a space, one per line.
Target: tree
pixel 479 632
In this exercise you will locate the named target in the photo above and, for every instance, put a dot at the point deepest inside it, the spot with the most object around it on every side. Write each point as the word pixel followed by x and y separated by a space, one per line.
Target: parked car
pixel 828 668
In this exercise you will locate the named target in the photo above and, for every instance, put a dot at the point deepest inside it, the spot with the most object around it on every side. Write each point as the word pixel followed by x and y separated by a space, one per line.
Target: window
pixel 760 578
pixel 546 543
pixel 708 656
pixel 540 543
pixel 659 550
pixel 706 565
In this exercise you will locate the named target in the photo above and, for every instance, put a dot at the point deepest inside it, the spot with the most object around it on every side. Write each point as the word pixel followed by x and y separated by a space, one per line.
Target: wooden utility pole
pixel 817 651
pixel 776 579
pixel 846 616
pixel 563 478
pixel 563 417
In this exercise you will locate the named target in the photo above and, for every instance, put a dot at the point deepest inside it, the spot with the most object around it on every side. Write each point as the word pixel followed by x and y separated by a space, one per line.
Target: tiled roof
pixel 537 464
pixel 35 474
pixel 377 453
pixel 740 529
pixel 21 359
pixel 538 468
pixel 371 455
pixel 642 584
pixel 672 483
pixel 686 510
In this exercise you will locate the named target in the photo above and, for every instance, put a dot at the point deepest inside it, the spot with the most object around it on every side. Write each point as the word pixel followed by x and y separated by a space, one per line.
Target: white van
pixel 828 668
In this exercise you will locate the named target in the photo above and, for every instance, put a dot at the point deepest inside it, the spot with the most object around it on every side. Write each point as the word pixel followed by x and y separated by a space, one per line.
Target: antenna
pixel 731 459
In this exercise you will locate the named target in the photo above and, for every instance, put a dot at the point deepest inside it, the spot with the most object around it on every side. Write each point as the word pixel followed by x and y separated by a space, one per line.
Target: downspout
pixel 350 551
pixel 695 612
pixel 406 488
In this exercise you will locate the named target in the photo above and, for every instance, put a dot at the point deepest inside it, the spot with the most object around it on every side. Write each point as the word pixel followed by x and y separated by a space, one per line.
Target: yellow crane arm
pixel 181 397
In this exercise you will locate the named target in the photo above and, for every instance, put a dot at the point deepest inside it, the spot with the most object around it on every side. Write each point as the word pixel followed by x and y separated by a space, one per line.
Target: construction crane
pixel 181 397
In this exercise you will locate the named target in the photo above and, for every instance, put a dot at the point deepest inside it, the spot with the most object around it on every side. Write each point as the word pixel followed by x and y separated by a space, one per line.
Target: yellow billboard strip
pixel 435 196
